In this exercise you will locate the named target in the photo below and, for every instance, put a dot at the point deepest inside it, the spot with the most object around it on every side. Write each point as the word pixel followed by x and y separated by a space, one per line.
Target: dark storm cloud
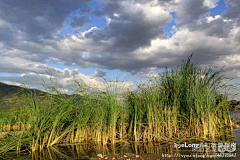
pixel 99 73
pixel 189 11
pixel 18 65
pixel 80 21
pixel 128 37
pixel 130 30
pixel 167 2
pixel 37 19
pixel 234 11
pixel 108 8
pixel 132 64
pixel 217 28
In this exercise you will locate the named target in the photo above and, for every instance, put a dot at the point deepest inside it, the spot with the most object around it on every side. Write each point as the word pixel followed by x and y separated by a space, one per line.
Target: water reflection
pixel 120 151
pixel 235 115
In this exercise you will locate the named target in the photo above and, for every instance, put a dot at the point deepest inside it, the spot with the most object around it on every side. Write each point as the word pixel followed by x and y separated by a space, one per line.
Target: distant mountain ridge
pixel 14 96
pixel 6 89
pixel 11 96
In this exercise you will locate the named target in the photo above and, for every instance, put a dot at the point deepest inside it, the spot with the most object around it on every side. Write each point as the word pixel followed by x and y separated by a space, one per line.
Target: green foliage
pixel 179 104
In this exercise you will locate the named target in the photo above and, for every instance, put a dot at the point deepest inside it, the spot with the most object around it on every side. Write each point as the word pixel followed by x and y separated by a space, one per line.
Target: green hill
pixel 14 96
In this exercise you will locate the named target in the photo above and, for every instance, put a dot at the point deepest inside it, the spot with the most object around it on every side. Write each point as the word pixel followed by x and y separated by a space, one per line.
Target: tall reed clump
pixel 180 103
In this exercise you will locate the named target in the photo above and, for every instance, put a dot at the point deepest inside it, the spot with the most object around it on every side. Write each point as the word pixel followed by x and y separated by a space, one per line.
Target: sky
pixel 128 40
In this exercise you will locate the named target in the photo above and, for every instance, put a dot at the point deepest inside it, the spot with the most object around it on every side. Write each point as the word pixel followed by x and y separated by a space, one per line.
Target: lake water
pixel 148 151
pixel 235 115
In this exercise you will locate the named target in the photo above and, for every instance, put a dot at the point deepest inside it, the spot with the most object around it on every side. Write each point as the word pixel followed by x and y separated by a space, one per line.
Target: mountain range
pixel 15 96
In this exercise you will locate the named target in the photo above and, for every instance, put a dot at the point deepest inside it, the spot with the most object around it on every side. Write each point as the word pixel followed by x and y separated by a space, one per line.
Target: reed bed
pixel 178 105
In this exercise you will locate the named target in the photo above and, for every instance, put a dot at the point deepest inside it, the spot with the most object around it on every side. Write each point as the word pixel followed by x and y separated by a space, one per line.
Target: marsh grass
pixel 179 105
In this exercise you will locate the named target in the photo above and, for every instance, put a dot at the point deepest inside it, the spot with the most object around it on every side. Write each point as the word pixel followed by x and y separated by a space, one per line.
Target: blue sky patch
pixel 220 8
pixel 167 29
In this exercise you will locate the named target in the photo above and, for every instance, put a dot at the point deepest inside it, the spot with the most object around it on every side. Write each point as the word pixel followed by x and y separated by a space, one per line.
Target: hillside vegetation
pixel 15 96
